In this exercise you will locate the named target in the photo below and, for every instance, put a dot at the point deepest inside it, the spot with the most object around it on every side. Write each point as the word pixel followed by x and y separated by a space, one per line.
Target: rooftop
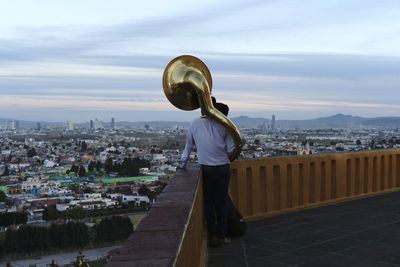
pixel 363 232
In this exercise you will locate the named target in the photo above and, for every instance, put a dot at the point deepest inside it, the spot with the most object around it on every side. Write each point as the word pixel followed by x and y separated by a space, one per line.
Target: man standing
pixel 214 144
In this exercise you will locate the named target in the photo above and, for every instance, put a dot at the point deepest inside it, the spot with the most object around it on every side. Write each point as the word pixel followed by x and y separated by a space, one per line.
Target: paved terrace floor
pixel 362 232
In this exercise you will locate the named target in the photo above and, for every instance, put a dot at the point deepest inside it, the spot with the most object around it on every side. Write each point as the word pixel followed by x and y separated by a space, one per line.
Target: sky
pixel 77 60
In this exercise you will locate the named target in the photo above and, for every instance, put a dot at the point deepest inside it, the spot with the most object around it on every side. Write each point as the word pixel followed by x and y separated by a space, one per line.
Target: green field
pixel 129 179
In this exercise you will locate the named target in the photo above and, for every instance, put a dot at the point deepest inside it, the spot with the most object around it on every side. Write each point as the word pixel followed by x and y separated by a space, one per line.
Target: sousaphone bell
pixel 187 84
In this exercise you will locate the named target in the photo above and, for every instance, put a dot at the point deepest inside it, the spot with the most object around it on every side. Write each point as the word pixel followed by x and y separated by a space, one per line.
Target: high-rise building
pixel 38 126
pixel 112 123
pixel 11 125
pixel 17 125
pixel 70 126
pixel 91 125
pixel 273 123
pixel 97 124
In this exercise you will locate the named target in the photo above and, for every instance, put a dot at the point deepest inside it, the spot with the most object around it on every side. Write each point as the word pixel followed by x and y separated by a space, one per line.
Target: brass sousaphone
pixel 187 84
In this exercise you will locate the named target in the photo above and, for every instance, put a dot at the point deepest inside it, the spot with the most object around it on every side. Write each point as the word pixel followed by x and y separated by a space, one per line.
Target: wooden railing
pixel 269 186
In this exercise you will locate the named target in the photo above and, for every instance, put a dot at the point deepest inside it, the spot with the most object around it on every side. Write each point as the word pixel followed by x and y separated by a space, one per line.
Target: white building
pixel 32 183
pixel 11 125
pixel 91 195
pixel 70 126
pixel 97 124
pixel 30 141
pixel 158 157
pixel 134 199
pixel 88 204
pixel 49 163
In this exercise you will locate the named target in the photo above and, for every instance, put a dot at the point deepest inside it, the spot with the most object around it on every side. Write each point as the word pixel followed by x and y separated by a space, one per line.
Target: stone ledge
pixel 157 239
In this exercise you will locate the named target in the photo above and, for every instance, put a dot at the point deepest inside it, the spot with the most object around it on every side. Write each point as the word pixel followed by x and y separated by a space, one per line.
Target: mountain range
pixel 335 121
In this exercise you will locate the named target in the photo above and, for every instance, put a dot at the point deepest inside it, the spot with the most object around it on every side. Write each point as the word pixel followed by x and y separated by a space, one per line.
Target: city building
pixel 11 125
pixel 273 123
pixel 97 124
pixel 70 126
pixel 113 123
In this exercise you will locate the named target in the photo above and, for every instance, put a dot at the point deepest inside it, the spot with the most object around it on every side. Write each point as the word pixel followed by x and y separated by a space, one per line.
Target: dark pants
pixel 215 188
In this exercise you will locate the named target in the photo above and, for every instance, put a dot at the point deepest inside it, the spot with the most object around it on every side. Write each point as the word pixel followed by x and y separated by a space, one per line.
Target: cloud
pixel 265 56
pixel 81 103
pixel 248 83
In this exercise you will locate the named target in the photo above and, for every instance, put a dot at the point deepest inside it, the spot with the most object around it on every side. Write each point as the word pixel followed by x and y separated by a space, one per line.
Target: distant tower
pixel 17 125
pixel 96 124
pixel 11 125
pixel 273 123
pixel 70 126
pixel 264 127
pixel 38 126
pixel 112 123
pixel 91 125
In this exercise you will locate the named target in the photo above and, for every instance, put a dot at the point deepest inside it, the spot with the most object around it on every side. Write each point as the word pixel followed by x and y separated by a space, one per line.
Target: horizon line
pixel 186 121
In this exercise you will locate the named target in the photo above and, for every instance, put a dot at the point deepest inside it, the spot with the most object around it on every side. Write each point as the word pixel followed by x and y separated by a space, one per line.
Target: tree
pixel 77 213
pixel 51 214
pixel 82 171
pixel 84 146
pixel 108 166
pixel 145 191
pixel 13 218
pixel 6 171
pixel 91 166
pixel 75 188
pixel 113 228
pixel 81 235
pixel 129 167
pixel 88 190
pixel 58 235
pixel 372 144
pixel 27 239
pixel 99 165
pixel 74 168
pixel 3 197
pixel 31 152
pixel 358 142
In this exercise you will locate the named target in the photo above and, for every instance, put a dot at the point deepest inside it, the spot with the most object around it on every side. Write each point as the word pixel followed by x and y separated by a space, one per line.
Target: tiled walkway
pixel 363 232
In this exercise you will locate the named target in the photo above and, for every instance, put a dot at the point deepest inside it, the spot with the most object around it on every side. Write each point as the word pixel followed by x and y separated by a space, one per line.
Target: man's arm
pixel 188 148
pixel 229 144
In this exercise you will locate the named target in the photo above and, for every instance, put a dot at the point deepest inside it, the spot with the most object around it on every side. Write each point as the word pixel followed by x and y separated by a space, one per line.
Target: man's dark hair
pixel 223 108
pixel 214 101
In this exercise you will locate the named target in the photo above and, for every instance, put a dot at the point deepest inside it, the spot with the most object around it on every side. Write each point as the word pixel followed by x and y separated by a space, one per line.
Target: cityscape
pixel 97 98
pixel 65 173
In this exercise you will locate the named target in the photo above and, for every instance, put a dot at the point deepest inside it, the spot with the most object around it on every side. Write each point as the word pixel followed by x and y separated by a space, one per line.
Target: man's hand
pixel 181 166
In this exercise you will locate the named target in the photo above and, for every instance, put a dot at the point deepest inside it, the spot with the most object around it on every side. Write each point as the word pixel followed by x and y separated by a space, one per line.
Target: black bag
pixel 236 226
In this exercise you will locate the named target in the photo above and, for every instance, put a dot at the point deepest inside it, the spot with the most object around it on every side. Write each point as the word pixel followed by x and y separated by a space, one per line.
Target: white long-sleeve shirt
pixel 213 142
